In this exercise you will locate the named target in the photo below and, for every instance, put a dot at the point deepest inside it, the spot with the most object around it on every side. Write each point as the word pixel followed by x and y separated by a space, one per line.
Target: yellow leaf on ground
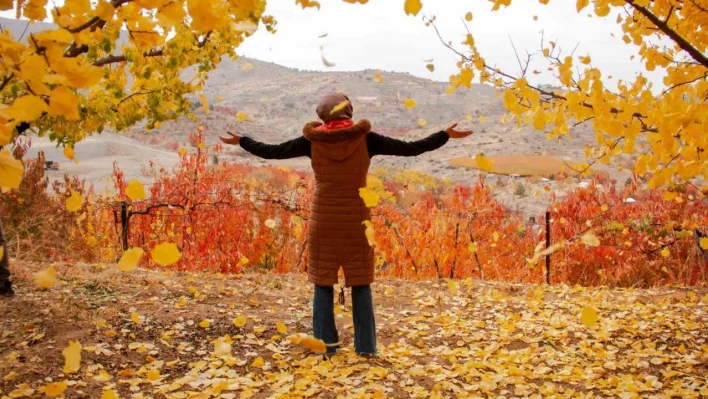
pixel 55 389
pixel 72 357
pixel 412 7
pixel 102 376
pixel 73 203
pixel 453 286
pixel 281 328
pixel 46 278
pixel 153 375
pixel 258 362
pixel 135 190
pixel 111 394
pixel 370 197
pixel 240 321
pixel 590 239
pixel 135 318
pixel 63 102
pixel 222 347
pixel 204 323
pixel 588 316
pixel 130 259
pixel 240 116
pixel 165 254
pixel 409 103
pixel 11 170
pixel 665 252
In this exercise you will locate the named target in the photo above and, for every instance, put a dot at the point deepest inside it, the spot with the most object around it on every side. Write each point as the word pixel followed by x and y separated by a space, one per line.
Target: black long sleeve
pixel 299 147
pixel 382 145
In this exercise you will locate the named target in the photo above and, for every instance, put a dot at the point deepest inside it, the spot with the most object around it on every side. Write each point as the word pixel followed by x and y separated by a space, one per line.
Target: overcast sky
pixel 379 35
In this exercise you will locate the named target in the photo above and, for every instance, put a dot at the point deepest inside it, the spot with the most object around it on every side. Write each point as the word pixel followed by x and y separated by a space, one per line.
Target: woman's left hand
pixel 234 139
pixel 457 134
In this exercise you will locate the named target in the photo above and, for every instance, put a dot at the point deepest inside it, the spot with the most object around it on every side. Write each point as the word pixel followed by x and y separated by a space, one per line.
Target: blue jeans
pixel 323 325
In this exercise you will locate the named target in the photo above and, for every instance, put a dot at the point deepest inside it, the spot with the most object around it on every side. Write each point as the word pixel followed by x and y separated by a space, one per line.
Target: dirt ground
pixel 144 335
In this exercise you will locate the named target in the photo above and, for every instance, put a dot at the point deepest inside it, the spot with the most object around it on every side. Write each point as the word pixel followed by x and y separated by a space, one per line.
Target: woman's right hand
pixel 234 139
pixel 457 134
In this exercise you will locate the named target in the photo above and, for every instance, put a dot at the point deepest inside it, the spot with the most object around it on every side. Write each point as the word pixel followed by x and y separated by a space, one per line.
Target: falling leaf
pixel 580 4
pixel 590 239
pixel 704 243
pixel 421 122
pixel 468 117
pixel 244 260
pixel 409 103
pixel 326 63
pixel 281 327
pixel 69 152
pixel 339 107
pixel 482 119
pixel 270 223
pixel 130 259
pixel 221 347
pixel 665 252
pixel 153 375
pixel 55 389
pixel 453 286
pixel 11 170
pixel 468 16
pixel 240 321
pixel 205 104
pixel 588 316
pixel 241 116
pixel 412 7
pixel 311 343
pixel 135 190
pixel 72 357
pixel 370 197
pixel 204 323
pixel 323 35
pixel 247 66
pixel 484 163
pixel 388 291
pixel 165 254
pixel 535 17
pixel 218 99
pixel 73 203
pixel 604 208
pixel 46 278
pixel 369 232
pixel 430 67
pixel 495 236
pixel 378 78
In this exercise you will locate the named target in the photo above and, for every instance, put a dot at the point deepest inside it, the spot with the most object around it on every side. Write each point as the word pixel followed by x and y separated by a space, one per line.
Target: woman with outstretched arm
pixel 341 152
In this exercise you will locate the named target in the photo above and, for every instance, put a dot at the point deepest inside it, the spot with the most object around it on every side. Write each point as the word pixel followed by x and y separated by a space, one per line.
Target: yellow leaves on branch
pixel 63 102
pixel 135 190
pixel 46 278
pixel 590 239
pixel 412 7
pixel 165 254
pixel 74 202
pixel 72 357
pixel 130 259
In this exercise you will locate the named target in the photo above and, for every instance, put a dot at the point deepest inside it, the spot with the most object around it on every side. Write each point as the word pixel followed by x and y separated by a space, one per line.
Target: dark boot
pixel 6 289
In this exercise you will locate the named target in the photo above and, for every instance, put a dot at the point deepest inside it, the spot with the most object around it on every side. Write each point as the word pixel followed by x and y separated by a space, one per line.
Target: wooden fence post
pixel 548 244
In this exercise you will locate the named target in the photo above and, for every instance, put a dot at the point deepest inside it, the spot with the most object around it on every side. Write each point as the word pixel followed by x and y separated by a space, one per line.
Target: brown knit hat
pixel 329 103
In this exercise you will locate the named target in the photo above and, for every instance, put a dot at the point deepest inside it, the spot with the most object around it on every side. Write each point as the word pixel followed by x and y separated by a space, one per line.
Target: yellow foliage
pixel 72 357
pixel 130 259
pixel 46 278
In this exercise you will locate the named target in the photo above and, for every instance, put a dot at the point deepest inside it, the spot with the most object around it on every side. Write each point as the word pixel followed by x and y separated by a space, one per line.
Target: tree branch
pixel 111 59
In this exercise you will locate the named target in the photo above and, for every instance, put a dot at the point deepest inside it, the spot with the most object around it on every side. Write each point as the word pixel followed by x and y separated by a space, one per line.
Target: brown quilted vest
pixel 340 161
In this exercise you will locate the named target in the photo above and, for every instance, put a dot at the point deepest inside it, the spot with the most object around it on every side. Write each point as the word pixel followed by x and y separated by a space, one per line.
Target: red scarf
pixel 334 125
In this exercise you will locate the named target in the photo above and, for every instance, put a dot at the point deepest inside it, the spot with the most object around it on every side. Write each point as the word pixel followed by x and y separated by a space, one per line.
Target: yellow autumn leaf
pixel 182 151
pixel 412 7
pixel 311 343
pixel 339 107
pixel 590 239
pixel 430 67
pixel 165 254
pixel 72 357
pixel 281 327
pixel 73 203
pixel 668 195
pixel 63 102
pixel 604 207
pixel 219 99
pixel 588 316
pixel 580 4
pixel 27 108
pixel 69 152
pixel 704 243
pixel 247 67
pixel 135 190
pixel 468 117
pixel 102 376
pixel 453 286
pixel 468 16
pixel 482 119
pixel 270 223
pixel 378 78
pixel 665 252
pixel 204 323
pixel 46 278
pixel 484 163
pixel 240 116
pixel 11 171
pixel 55 389
pixel 130 259
pixel 135 318
pixel 495 236
pixel 421 122
pixel 370 197
pixel 153 375
pixel 2 252
pixel 205 103
pixel 409 103
pixel 240 321
pixel 369 232
pixel 244 260
pixel 110 394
